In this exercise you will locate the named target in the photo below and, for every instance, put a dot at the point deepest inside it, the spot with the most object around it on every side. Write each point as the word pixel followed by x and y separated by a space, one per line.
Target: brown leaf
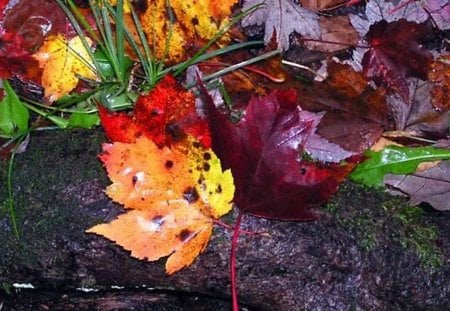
pixel 334 29
pixel 318 5
pixel 440 74
pixel 431 186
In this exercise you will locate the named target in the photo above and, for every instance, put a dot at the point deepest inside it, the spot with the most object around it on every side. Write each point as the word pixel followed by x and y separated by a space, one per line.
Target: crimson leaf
pixel 263 151
pixel 395 54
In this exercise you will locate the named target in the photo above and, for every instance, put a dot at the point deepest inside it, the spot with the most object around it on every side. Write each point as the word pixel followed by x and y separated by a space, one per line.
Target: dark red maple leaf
pixel 166 114
pixel 395 53
pixel 263 151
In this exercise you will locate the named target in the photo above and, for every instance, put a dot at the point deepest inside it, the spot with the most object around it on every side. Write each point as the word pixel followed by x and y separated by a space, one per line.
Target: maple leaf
pixel 431 186
pixel 167 113
pixel 63 61
pixel 395 54
pixel 379 10
pixel 263 152
pixel 281 18
pixel 194 21
pixel 174 193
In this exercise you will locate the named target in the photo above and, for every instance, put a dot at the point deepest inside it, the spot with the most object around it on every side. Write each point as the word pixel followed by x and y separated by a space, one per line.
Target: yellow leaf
pixel 175 193
pixel 62 62
pixel 195 20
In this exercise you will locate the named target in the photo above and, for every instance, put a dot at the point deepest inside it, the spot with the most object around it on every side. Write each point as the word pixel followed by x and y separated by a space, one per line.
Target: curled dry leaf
pixel 63 61
pixel 174 193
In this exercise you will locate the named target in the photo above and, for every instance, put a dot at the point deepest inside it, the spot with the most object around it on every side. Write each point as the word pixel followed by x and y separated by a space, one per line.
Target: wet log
pixel 368 250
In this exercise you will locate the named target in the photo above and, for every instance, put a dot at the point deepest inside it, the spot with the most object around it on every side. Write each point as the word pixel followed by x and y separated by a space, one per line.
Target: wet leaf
pixel 174 193
pixel 395 53
pixel 63 61
pixel 281 18
pixel 14 58
pixel 83 120
pixel 13 115
pixel 419 117
pixel 431 186
pixel 167 113
pixel 193 22
pixel 263 151
pixel 356 113
pixel 394 160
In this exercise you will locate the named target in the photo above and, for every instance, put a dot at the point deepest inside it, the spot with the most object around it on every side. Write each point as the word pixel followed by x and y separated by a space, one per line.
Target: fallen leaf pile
pixel 360 91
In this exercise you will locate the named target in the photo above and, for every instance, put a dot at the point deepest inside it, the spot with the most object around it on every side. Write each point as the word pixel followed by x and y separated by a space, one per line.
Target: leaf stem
pixel 234 242
pixel 336 43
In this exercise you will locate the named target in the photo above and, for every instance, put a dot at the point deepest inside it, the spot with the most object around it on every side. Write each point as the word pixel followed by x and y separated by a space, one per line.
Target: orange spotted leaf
pixel 166 114
pixel 174 193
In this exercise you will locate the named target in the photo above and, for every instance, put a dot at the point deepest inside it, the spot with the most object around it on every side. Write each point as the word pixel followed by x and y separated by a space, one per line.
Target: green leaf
pixel 13 115
pixel 84 120
pixel 105 65
pixel 394 160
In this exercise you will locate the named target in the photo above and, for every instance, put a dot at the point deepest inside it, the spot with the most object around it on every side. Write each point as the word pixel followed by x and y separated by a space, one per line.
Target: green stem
pixel 12 211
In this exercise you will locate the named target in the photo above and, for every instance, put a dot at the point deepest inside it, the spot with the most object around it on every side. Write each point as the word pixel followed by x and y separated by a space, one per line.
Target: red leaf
pixel 395 54
pixel 14 59
pixel 165 114
pixel 35 20
pixel 263 150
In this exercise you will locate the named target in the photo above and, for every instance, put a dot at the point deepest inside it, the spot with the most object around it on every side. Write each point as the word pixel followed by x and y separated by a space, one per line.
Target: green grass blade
pixel 219 34
pixel 213 54
pixel 12 210
pixel 147 60
pixel 73 20
pixel 236 67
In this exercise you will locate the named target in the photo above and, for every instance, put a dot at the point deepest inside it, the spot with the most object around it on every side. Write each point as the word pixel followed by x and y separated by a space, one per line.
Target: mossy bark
pixel 368 251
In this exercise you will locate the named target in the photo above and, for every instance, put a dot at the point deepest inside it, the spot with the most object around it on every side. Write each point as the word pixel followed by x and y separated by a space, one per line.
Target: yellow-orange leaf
pixel 175 194
pixel 62 62
pixel 194 20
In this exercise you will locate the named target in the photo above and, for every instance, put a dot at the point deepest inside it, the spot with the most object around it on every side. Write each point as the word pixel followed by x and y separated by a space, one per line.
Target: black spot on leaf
pixel 191 195
pixel 206 156
pixel 184 235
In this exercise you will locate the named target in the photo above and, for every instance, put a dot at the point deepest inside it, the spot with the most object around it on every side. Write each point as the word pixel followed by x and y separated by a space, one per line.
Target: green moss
pixel 7 288
pixel 408 225
pixel 416 234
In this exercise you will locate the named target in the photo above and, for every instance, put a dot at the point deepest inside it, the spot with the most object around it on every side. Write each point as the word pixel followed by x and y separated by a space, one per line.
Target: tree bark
pixel 367 251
